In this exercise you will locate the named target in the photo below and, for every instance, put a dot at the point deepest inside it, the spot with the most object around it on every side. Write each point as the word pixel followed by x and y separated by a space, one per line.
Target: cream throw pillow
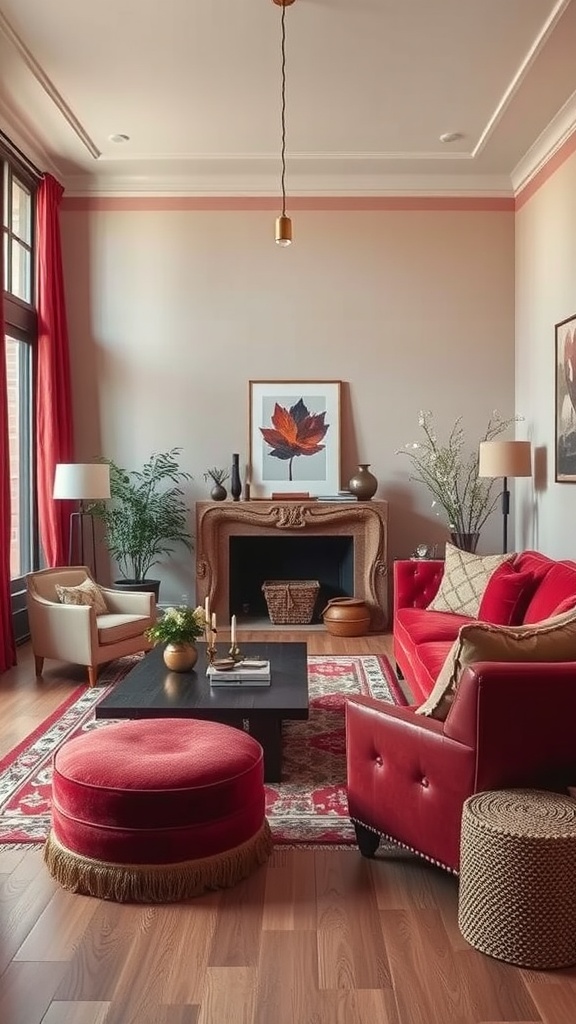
pixel 552 639
pixel 85 593
pixel 464 581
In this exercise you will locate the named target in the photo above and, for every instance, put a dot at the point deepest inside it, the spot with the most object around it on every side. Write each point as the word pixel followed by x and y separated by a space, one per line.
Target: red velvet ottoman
pixel 156 810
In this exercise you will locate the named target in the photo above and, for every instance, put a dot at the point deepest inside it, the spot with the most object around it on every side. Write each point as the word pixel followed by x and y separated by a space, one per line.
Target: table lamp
pixel 505 459
pixel 81 482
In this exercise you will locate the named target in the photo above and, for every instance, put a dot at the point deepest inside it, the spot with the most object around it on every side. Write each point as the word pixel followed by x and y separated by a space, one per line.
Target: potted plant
pixel 218 478
pixel 145 517
pixel 179 628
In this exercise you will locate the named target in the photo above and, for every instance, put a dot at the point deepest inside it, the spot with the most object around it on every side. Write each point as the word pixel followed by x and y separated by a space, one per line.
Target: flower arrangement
pixel 178 626
pixel 450 471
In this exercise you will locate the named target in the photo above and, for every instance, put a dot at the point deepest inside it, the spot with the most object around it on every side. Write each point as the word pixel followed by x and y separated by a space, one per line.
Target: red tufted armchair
pixel 408 776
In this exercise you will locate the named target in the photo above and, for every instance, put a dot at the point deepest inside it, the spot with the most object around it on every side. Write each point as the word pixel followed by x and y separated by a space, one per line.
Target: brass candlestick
pixel 235 653
pixel 211 649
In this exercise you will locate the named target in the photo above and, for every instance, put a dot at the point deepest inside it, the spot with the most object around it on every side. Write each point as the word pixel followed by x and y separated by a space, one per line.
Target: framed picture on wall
pixel 566 400
pixel 294 437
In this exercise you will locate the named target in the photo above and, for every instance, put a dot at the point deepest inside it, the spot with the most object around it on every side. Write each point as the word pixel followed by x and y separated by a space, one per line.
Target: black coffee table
pixel 150 690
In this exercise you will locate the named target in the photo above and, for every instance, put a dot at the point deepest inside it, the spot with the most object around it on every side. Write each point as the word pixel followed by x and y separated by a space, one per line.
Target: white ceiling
pixel 371 86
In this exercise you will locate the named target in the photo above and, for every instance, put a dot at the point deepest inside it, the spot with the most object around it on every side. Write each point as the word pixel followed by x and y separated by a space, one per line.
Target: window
pixel 18 197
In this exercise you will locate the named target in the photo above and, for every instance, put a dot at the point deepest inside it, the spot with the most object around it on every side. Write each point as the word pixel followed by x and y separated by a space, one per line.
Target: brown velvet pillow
pixel 552 640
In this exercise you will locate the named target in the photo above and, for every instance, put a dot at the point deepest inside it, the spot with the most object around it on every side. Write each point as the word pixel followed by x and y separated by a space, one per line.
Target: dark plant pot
pixel 218 493
pixel 465 541
pixel 146 586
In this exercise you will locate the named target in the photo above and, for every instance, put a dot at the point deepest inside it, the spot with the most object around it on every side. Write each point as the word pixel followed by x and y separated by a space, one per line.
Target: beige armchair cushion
pixel 114 628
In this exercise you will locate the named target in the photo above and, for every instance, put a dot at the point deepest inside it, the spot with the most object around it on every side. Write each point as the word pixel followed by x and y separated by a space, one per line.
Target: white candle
pixel 233 631
pixel 213 629
pixel 207 613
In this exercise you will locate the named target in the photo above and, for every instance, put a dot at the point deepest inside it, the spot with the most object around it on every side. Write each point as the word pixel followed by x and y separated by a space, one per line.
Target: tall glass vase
pixel 465 541
pixel 235 481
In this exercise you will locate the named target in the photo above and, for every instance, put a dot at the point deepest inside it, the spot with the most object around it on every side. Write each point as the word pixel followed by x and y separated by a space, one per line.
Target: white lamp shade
pixel 82 481
pixel 505 458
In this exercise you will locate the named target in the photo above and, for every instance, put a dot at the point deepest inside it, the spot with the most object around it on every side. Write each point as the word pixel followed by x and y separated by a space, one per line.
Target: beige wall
pixel 545 294
pixel 171 313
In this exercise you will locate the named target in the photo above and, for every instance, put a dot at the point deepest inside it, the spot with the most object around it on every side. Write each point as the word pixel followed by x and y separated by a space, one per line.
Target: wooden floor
pixel 314 937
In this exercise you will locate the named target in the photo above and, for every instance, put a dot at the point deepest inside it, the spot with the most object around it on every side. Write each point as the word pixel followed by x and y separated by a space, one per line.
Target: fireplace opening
pixel 252 560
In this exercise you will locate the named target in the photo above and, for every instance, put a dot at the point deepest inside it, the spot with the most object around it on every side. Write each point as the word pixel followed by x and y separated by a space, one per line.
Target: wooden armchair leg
pixel 38 664
pixel 92 674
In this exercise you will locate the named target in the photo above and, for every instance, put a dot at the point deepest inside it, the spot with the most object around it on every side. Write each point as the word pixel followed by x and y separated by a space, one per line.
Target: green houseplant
pixel 145 517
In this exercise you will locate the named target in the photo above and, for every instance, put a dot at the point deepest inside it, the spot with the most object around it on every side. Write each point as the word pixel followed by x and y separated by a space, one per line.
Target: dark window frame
pixel 21 323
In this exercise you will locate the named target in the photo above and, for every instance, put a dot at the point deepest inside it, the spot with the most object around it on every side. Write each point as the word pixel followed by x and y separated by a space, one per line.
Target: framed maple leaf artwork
pixel 566 400
pixel 294 435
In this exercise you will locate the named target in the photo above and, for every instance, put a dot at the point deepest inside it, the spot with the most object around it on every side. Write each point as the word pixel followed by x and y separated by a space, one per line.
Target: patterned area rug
pixel 308 806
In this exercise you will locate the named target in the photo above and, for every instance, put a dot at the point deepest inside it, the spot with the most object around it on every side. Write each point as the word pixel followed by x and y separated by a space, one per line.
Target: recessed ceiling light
pixel 119 138
pixel 451 136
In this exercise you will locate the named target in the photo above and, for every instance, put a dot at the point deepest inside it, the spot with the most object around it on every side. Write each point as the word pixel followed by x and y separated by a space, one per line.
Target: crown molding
pixel 265 185
pixel 545 146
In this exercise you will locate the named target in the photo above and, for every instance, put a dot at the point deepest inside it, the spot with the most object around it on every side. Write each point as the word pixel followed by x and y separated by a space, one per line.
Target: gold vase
pixel 180 657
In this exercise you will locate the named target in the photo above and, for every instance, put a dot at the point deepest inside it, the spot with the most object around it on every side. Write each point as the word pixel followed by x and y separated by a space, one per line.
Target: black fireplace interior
pixel 253 560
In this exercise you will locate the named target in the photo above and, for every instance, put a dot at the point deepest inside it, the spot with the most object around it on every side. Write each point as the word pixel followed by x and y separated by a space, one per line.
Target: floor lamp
pixel 81 482
pixel 505 459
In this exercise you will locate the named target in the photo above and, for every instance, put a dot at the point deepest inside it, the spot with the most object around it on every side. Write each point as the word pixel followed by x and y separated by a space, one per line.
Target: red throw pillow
pixel 506 597
pixel 565 606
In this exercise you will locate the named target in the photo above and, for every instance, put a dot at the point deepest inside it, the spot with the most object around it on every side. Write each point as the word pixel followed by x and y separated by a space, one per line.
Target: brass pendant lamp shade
pixel 283 234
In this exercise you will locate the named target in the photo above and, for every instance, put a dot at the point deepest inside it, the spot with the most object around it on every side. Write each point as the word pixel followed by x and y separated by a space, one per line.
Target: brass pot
pixel 346 616
pixel 180 657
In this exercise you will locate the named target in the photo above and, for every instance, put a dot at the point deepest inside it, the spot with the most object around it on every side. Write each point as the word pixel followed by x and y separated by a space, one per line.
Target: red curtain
pixel 7 643
pixel 54 394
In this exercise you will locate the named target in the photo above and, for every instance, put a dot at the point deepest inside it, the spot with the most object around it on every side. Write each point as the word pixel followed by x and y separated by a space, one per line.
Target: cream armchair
pixel 75 633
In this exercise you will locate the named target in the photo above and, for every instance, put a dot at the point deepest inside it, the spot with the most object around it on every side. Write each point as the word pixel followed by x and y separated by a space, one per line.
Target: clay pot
pixel 346 616
pixel 180 657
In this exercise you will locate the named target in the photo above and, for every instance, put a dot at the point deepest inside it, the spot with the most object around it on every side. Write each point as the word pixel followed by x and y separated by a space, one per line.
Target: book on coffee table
pixel 252 673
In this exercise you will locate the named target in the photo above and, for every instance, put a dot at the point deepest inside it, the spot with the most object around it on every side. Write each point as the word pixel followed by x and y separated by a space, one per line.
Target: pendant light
pixel 283 222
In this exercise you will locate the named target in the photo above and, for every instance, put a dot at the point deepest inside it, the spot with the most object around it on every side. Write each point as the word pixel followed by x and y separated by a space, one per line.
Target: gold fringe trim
pixel 156 883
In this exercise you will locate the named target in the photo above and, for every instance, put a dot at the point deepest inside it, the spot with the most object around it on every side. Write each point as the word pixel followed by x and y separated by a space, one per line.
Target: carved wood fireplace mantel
pixel 366 523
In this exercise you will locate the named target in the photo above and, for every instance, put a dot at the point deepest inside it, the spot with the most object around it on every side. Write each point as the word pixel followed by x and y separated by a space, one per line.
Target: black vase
pixel 235 481
pixel 465 541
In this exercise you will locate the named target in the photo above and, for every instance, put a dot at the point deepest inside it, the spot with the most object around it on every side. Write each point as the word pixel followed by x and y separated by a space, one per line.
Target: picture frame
pixel 565 405
pixel 294 437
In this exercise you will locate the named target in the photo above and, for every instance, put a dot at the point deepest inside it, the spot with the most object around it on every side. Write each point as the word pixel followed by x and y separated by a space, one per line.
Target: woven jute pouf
pixel 157 810
pixel 517 897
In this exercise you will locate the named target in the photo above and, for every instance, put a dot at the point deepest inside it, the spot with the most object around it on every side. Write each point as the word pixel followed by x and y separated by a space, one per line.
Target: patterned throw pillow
pixel 553 639
pixel 464 581
pixel 86 593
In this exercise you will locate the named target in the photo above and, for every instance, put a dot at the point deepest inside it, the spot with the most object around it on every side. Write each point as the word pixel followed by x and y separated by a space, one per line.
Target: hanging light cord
pixel 283 150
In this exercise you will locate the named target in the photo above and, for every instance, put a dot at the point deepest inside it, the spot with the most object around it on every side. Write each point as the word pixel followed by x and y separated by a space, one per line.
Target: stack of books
pixel 340 496
pixel 249 673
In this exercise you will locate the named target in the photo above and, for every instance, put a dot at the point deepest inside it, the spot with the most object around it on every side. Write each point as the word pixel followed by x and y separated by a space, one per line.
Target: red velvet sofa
pixel 510 723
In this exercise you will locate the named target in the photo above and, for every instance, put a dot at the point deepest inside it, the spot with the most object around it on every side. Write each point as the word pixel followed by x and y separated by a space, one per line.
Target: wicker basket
pixel 290 601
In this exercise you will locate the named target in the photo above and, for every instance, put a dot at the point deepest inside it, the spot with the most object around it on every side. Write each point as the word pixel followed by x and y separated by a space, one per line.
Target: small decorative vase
pixel 235 481
pixel 218 492
pixel 180 657
pixel 363 484
pixel 465 541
